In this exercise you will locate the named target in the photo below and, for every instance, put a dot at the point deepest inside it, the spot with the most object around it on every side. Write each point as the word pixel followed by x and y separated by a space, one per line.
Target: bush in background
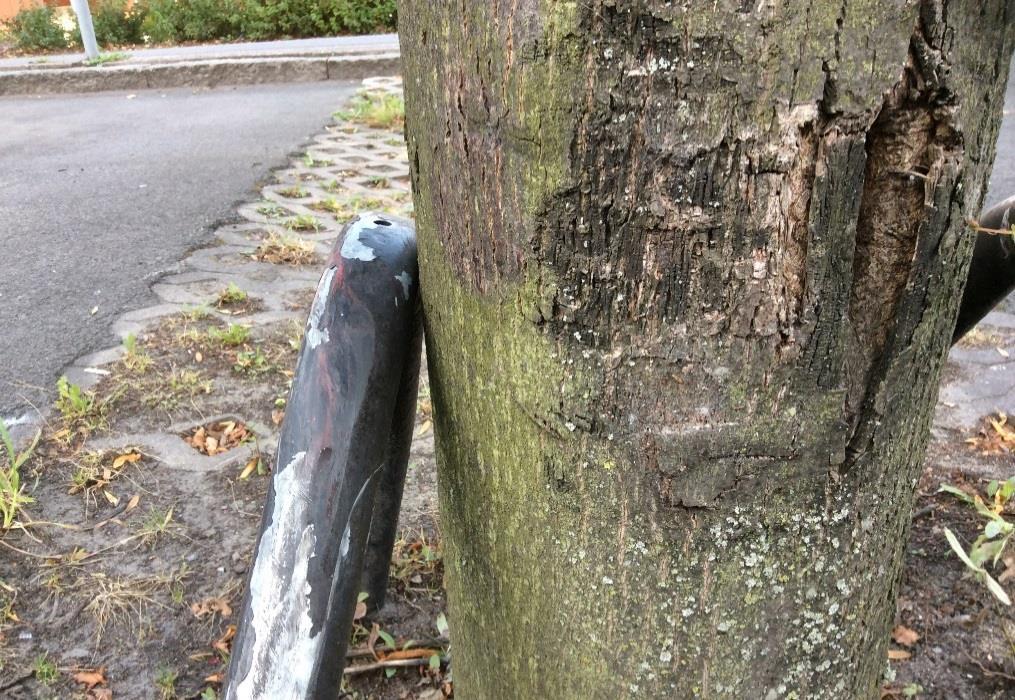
pixel 169 21
pixel 36 29
pixel 116 24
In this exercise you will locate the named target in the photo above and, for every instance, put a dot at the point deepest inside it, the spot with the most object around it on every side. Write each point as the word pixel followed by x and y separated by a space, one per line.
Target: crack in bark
pixel 912 149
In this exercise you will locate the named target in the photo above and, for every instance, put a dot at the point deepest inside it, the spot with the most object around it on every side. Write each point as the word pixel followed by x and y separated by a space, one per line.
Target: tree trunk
pixel 690 271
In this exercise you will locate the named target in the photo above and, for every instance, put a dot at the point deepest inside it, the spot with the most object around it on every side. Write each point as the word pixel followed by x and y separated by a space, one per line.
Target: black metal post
pixel 342 439
pixel 992 271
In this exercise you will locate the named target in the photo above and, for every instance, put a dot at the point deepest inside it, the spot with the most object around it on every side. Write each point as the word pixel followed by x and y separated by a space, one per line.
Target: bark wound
pixel 909 146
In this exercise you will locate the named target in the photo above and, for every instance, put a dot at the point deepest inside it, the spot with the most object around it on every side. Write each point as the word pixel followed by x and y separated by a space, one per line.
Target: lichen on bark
pixel 689 274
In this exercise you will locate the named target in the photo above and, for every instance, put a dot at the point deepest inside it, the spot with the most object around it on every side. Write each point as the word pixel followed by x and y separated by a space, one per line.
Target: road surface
pixel 102 193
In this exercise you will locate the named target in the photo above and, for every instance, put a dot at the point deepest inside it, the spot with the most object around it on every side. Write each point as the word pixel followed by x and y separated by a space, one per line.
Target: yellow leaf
pixel 126 458
pixel 424 428
pixel 249 469
pixel 110 497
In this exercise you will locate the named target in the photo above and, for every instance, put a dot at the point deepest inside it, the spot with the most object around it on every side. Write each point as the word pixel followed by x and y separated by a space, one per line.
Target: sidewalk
pixel 206 65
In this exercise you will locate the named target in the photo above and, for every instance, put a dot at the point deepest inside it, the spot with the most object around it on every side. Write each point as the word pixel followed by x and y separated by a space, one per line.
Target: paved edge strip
pixel 198 73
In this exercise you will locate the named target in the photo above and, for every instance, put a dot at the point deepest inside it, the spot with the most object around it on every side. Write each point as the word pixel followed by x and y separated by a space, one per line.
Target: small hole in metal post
pixel 382 222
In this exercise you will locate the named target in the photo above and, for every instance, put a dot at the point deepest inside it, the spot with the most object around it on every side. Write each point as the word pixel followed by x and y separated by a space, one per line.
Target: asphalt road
pixel 102 193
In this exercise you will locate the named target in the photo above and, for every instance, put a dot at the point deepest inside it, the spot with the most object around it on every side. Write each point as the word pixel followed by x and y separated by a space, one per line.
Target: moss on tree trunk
pixel 690 271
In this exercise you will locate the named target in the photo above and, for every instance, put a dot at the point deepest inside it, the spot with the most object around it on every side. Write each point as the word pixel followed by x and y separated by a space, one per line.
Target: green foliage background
pixel 172 21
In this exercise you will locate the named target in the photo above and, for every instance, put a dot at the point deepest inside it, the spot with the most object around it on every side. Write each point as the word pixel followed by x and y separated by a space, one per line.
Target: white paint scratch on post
pixel 352 247
pixel 283 652
pixel 406 279
pixel 315 334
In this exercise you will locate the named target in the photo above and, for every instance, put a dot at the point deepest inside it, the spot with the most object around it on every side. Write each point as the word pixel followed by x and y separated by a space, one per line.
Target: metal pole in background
pixel 84 16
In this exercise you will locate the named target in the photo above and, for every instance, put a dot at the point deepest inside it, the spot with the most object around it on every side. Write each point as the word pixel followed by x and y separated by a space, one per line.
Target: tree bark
pixel 690 271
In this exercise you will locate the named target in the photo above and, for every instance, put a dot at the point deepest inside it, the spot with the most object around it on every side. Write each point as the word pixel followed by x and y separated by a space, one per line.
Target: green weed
pixel 233 335
pixel 12 491
pixel 997 532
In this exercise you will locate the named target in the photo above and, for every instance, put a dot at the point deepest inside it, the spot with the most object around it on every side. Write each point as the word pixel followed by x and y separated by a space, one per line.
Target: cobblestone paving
pixel 349 168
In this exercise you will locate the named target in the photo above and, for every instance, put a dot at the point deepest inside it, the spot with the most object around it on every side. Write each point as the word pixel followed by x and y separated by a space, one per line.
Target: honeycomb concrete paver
pixel 349 165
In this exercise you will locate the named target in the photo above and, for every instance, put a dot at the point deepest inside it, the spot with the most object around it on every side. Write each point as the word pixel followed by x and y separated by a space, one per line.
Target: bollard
pixel 346 434
pixel 992 271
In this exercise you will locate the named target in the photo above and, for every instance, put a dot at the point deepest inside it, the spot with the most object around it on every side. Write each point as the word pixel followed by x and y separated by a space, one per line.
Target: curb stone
pixel 197 73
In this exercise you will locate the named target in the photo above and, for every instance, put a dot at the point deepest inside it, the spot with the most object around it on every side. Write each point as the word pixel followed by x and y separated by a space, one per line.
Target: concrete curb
pixel 198 73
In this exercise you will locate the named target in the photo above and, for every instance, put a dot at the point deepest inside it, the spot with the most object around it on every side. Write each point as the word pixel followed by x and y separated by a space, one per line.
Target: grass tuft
pixel 378 111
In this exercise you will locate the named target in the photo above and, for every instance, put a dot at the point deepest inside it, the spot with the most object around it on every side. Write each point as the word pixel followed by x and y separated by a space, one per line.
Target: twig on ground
pixel 395 663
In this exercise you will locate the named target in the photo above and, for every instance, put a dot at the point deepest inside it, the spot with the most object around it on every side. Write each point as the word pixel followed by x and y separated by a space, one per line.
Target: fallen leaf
pixel 995 436
pixel 99 694
pixel 277 416
pixel 361 611
pixel 905 636
pixel 898 654
pixel 132 503
pixel 420 653
pixel 210 606
pixel 126 458
pixel 249 469
pixel 198 357
pixel 218 437
pixel 215 678
pixel 113 500
pixel 1002 352
pixel 224 643
pixel 424 428
pixel 92 678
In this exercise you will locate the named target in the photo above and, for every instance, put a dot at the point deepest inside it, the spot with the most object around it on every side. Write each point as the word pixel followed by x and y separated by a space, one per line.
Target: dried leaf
pixel 215 678
pixel 92 678
pixel 424 428
pixel 111 497
pixel 898 654
pixel 198 357
pixel 225 642
pixel 995 436
pixel 421 653
pixel 361 611
pixel 249 469
pixel 132 503
pixel 210 606
pixel 126 458
pixel 277 416
pixel 99 694
pixel 905 636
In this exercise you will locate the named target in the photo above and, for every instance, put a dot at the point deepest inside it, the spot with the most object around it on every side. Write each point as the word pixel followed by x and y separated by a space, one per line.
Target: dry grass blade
pixel 286 250
pixel 119 600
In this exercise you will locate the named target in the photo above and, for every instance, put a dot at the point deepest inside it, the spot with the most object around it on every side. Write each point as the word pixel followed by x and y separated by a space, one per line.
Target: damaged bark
pixel 690 271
